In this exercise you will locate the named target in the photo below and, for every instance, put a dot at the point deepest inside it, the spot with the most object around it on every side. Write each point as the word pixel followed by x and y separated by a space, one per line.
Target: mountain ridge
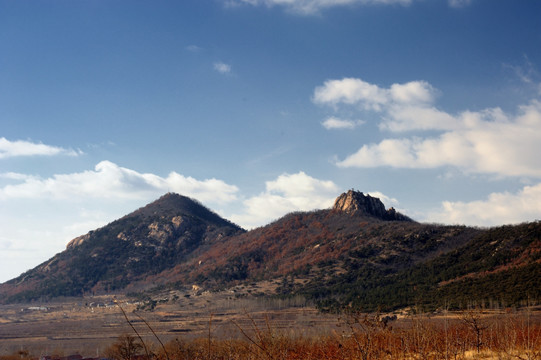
pixel 355 253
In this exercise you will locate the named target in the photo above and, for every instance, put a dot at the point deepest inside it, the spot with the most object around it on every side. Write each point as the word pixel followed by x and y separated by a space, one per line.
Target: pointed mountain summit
pixel 356 203
pixel 175 203
pixel 176 213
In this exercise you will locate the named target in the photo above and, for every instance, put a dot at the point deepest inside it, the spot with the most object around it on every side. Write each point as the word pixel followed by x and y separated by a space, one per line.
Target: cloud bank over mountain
pixel 109 180
pixel 487 142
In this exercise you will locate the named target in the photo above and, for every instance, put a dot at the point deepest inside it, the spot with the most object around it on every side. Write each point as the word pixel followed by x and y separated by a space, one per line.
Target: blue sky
pixel 262 107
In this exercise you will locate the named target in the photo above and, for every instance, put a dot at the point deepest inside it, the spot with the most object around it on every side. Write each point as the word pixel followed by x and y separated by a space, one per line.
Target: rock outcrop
pixel 356 203
pixel 77 241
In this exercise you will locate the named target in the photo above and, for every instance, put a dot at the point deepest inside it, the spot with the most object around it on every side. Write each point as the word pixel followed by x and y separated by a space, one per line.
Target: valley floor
pixel 89 325
pixel 222 326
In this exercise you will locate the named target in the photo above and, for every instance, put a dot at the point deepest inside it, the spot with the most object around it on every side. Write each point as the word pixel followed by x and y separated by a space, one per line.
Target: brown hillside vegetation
pixel 355 254
pixel 304 243
pixel 471 335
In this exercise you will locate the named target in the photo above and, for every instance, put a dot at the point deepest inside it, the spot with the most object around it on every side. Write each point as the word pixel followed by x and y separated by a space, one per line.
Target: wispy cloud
pixel 333 122
pixel 193 48
pixel 459 3
pixel 222 68
pixel 310 7
pixel 27 148
pixel 526 72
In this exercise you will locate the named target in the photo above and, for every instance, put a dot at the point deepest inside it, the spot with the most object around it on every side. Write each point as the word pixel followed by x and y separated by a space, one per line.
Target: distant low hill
pixel 355 254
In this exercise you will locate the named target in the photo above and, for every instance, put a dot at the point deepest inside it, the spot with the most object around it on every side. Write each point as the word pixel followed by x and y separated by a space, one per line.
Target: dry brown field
pixel 225 326
pixel 88 325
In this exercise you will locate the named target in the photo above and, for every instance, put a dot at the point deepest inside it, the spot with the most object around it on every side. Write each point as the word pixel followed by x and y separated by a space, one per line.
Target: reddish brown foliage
pixel 370 337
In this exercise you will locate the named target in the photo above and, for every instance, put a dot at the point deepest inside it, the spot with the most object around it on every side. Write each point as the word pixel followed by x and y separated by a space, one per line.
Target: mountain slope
pixel 309 242
pixel 499 266
pixel 145 242
pixel 324 254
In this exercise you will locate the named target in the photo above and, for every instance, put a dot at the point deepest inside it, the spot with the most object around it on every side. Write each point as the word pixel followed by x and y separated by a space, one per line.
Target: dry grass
pixel 203 332
pixel 371 336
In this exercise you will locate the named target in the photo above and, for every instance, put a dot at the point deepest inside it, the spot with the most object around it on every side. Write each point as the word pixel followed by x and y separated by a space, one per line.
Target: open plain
pixel 89 325
pixel 249 327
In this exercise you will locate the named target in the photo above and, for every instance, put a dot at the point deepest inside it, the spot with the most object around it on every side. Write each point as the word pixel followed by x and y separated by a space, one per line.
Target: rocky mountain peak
pixel 355 202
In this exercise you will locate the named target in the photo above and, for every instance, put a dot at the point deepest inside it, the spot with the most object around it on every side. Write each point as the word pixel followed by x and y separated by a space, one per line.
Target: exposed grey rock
pixel 356 203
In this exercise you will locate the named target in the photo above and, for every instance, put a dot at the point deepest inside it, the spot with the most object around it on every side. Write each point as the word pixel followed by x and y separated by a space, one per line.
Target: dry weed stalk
pixel 262 342
pixel 209 338
pixel 134 329
pixel 471 334
pixel 155 335
pixel 369 332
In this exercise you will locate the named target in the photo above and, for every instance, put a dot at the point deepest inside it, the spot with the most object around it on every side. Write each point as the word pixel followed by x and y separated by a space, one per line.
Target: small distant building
pixel 38 308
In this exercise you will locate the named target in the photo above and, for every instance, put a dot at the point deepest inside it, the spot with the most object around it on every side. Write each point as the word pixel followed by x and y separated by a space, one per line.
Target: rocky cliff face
pixel 356 203
pixel 77 241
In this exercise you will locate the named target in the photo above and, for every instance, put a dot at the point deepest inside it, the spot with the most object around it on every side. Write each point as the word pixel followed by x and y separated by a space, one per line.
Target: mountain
pixel 125 252
pixel 357 253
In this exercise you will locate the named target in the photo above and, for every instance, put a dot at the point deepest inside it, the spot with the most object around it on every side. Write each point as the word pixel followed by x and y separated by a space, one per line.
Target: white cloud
pixel 301 185
pixel 402 118
pixel 386 200
pixel 287 193
pixel 497 209
pixel 222 68
pixel 109 180
pixel 336 123
pixel 390 152
pixel 484 144
pixel 488 141
pixel 26 148
pixel 193 48
pixel 459 3
pixel 14 176
pixel 413 92
pixel 353 91
pixel 310 7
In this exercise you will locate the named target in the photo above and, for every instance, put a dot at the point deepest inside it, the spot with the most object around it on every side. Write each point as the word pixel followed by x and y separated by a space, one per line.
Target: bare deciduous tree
pixel 126 347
